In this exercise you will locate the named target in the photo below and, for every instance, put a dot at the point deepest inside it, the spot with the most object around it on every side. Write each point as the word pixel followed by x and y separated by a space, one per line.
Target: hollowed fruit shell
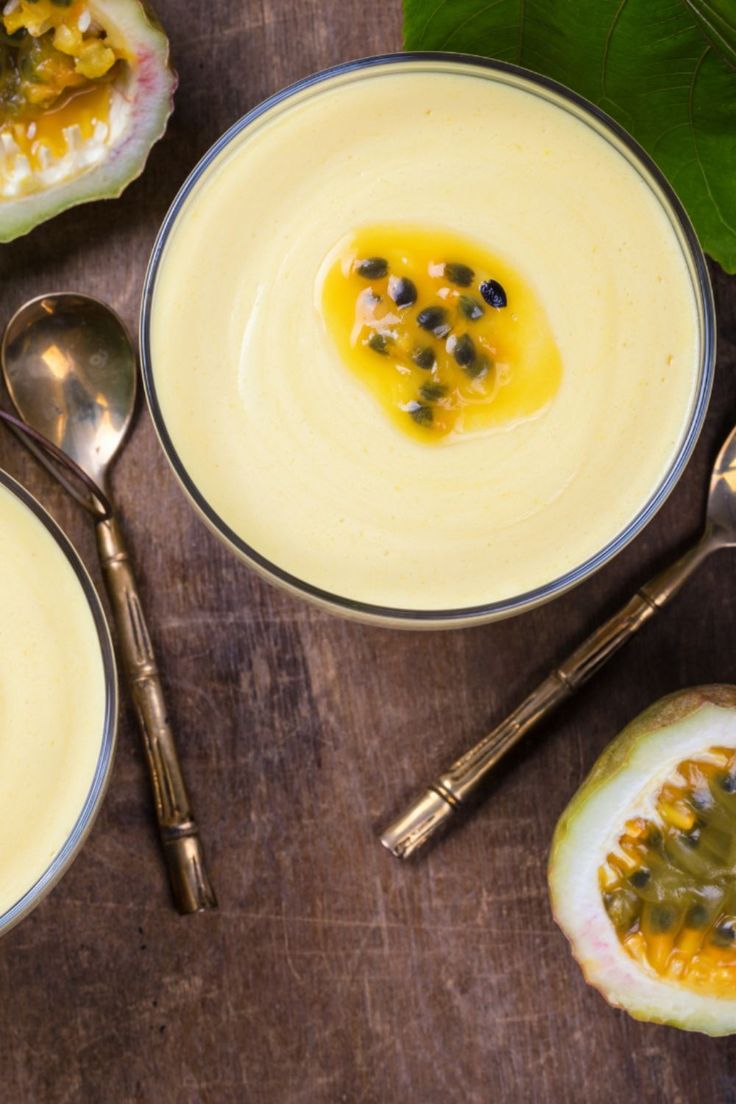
pixel 143 103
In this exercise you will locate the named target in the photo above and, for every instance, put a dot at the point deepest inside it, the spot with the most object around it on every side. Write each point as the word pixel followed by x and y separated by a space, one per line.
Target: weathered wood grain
pixel 331 973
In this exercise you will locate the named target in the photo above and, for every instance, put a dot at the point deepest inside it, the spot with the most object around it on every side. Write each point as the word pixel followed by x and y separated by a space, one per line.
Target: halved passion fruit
pixel 643 865
pixel 85 91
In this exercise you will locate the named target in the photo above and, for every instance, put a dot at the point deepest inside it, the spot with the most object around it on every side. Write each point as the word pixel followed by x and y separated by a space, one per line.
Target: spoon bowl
pixel 70 369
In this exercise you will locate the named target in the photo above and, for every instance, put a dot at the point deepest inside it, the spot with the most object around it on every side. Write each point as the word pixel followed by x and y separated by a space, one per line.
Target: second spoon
pixel 452 790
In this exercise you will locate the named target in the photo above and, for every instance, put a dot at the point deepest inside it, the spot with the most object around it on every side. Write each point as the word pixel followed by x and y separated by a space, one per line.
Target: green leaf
pixel 665 69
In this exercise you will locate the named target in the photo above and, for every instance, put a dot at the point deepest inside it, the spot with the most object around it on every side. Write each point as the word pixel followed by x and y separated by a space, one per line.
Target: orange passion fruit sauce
pixel 55 72
pixel 448 338
pixel 668 886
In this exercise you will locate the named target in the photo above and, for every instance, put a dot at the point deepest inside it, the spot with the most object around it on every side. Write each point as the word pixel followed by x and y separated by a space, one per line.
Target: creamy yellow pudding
pixel 52 699
pixel 300 455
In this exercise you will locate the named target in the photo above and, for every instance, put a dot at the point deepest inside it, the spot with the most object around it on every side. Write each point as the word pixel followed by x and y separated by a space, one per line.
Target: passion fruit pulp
pixel 642 869
pixel 85 91
pixel 446 348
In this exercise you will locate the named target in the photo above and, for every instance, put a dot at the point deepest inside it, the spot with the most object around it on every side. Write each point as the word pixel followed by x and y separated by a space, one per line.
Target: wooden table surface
pixel 331 973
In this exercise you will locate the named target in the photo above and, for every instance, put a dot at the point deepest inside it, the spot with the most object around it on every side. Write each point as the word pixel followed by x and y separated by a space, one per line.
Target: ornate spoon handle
pixel 449 792
pixel 178 829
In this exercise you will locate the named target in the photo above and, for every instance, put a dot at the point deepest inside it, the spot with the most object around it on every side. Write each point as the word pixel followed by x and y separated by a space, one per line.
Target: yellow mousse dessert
pixel 52 699
pixel 423 338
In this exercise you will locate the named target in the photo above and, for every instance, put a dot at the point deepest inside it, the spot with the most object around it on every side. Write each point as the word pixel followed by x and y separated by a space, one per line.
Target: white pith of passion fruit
pixel 37 179
pixel 625 787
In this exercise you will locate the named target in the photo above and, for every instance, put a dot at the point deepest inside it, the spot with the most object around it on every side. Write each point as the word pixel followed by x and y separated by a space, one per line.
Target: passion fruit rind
pixel 644 755
pixel 147 83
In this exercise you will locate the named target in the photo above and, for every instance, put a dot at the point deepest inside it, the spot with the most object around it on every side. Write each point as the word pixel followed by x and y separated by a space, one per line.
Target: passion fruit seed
pixel 724 934
pixel 424 358
pixel 470 308
pixel 422 414
pixel 379 343
pixel 403 291
pixel 463 350
pixel 372 268
pixel 623 909
pixel 434 319
pixel 493 293
pixel 639 878
pixel 477 369
pixel 662 918
pixel 459 274
pixel 432 392
pixel 697 916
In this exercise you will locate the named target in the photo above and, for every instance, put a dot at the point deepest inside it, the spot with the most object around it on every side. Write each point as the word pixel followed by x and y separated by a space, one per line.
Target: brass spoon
pixel 70 368
pixel 450 791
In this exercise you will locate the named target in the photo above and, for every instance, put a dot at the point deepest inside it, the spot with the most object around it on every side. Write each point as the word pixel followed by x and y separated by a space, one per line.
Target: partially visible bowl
pixel 91 773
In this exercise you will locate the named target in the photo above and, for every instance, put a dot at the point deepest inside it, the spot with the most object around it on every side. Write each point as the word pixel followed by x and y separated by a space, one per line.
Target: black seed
pixel 697 916
pixel 662 918
pixel 372 268
pixel 464 350
pixel 639 878
pixel 493 293
pixel 700 801
pixel 403 291
pixel 423 357
pixel 471 308
pixel 727 782
pixel 691 838
pixel 422 415
pixel 434 319
pixel 431 392
pixel 477 368
pixel 379 343
pixel 724 933
pixel 460 274
pixel 654 836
